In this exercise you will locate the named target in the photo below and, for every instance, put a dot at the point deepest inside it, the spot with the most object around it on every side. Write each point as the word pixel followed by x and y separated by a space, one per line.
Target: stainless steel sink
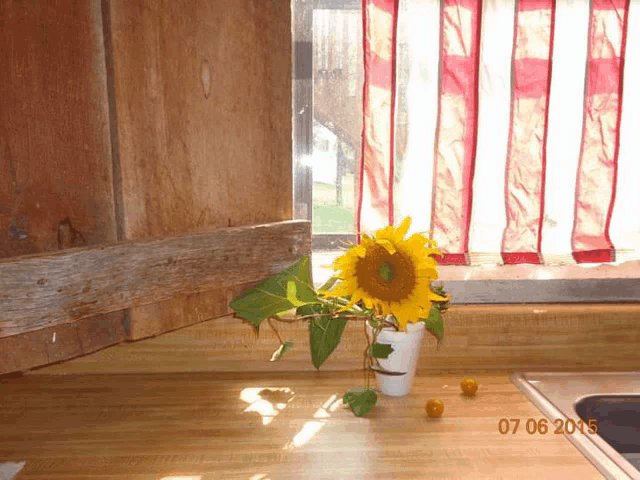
pixel 598 412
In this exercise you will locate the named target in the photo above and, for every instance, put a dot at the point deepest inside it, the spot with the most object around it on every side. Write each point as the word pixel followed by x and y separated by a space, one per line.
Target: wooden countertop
pixel 271 425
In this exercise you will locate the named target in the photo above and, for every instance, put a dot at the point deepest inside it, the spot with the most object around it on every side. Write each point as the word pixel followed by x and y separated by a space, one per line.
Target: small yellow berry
pixel 469 386
pixel 435 407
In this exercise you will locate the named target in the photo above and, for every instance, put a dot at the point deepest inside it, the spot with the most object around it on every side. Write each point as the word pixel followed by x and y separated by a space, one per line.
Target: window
pixel 327 128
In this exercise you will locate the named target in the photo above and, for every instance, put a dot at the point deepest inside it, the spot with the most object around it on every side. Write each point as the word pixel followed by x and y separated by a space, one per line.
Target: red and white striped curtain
pixel 520 140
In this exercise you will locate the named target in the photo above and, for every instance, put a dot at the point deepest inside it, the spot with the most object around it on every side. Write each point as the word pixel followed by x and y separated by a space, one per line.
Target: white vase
pixel 404 358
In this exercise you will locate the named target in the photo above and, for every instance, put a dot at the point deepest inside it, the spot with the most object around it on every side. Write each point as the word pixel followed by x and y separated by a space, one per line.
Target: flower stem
pixel 348 317
pixel 274 329
pixel 366 356
pixel 305 317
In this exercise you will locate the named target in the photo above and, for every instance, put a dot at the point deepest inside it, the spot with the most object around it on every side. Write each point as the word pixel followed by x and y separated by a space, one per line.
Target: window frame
pixel 498 291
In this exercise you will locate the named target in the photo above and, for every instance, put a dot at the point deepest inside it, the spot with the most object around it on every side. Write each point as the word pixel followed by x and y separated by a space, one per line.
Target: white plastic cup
pixel 404 358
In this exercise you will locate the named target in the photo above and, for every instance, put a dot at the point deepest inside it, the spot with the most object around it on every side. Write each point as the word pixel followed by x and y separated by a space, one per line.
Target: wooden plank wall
pixel 55 145
pixel 126 120
pixel 56 183
pixel 203 109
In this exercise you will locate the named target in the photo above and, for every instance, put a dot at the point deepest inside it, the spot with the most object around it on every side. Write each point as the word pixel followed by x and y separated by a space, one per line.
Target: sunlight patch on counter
pixel 9 470
pixel 310 428
pixel 255 397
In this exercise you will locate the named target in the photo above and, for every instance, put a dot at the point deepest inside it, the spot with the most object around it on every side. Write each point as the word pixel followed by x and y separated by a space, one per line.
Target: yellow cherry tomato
pixel 469 386
pixel 435 407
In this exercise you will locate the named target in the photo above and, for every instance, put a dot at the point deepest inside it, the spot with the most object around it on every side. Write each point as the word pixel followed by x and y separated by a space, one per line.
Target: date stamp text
pixel 542 426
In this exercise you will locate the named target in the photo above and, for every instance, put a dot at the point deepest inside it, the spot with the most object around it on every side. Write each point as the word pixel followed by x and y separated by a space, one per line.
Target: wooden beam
pixel 172 314
pixel 44 290
pixel 53 344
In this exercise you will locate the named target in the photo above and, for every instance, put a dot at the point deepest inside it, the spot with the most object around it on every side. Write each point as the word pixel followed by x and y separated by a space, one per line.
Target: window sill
pixel 521 284
pixel 629 269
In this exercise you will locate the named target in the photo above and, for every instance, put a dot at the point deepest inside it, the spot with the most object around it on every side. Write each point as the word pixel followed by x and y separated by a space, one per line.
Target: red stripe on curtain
pixel 379 24
pixel 456 132
pixel 598 163
pixel 526 151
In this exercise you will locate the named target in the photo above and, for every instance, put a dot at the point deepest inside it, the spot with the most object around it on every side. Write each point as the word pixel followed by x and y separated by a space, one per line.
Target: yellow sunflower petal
pixel 360 251
pixel 342 289
pixel 422 291
pixel 367 302
pixel 406 313
pixel 416 241
pixel 438 298
pixel 431 251
pixel 339 261
pixel 403 228
pixel 356 296
pixel 427 272
pixel 385 233
pixel 387 245
pixel 350 304
pixel 402 318
pixel 383 308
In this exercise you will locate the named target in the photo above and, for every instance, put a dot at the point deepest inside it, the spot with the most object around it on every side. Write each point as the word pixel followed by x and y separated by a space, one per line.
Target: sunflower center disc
pixel 385 277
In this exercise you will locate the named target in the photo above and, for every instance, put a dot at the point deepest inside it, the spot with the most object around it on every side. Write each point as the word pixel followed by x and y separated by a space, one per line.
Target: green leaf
pixel 270 297
pixel 380 350
pixel 324 332
pixel 300 293
pixel 280 351
pixel 360 400
pixel 434 324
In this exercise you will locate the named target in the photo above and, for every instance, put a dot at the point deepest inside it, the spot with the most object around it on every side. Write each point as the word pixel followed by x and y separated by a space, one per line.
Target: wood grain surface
pixel 55 145
pixel 202 107
pixel 56 181
pixel 48 290
pixel 54 344
pixel 130 121
pixel 534 337
pixel 176 313
pixel 206 426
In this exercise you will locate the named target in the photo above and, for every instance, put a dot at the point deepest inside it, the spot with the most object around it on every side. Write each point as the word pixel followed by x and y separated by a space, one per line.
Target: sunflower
pixel 391 275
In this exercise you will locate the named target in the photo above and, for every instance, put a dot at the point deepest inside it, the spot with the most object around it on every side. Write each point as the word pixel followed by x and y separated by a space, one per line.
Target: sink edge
pixel 608 462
